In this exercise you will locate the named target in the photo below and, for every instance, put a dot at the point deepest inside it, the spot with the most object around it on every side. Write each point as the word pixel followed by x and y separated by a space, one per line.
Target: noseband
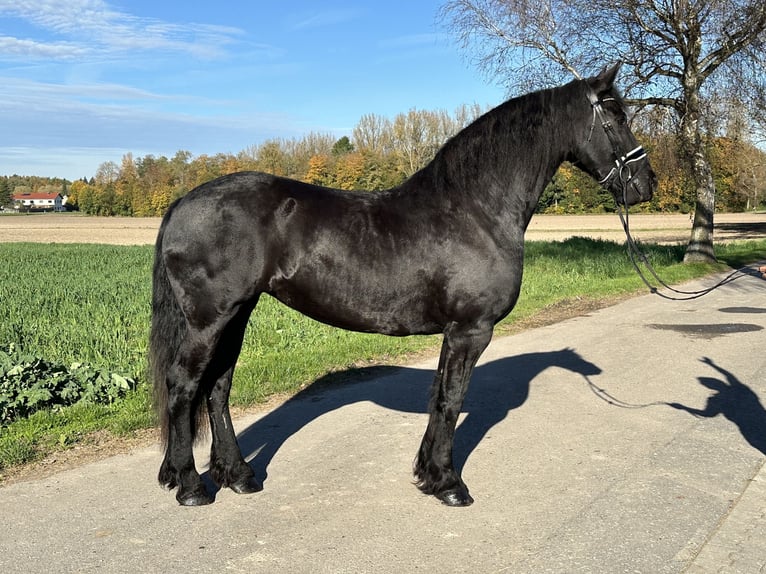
pixel 622 168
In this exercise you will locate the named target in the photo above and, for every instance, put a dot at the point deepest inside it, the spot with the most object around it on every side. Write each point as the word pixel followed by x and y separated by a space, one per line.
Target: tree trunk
pixel 700 248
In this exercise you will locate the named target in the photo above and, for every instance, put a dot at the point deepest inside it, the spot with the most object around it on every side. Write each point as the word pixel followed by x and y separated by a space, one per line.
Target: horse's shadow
pixel 496 388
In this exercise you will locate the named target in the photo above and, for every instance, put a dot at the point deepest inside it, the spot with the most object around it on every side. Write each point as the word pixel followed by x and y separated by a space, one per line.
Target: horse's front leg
pixel 433 467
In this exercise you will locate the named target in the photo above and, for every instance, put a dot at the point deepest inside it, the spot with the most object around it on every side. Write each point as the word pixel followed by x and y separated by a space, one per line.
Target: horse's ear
pixel 605 80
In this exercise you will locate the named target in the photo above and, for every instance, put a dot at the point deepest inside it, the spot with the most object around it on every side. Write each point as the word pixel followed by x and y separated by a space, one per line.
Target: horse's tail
pixel 167 331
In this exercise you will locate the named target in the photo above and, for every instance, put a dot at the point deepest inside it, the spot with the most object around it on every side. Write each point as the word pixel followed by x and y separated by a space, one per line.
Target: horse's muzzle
pixel 638 189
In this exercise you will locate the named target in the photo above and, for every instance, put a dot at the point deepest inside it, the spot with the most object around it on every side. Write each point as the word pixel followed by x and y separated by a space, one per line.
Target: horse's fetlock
pixel 167 477
pixel 433 478
pixel 228 475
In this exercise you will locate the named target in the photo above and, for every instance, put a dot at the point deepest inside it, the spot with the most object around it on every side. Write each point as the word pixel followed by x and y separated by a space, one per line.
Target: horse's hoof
pixel 197 497
pixel 459 497
pixel 246 486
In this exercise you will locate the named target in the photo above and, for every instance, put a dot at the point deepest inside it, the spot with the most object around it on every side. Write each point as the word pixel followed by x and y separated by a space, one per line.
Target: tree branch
pixel 753 24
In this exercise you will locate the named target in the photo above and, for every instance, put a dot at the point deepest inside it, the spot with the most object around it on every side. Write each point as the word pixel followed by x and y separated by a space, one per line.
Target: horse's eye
pixel 617 110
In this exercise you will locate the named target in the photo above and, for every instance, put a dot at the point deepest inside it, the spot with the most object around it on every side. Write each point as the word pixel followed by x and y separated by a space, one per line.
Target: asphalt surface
pixel 631 440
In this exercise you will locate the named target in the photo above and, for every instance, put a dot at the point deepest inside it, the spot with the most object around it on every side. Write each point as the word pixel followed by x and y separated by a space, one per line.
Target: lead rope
pixel 608 398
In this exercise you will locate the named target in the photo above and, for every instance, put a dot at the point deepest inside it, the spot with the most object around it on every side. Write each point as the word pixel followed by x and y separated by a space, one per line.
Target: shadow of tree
pixel 742 231
pixel 735 401
pixel 496 388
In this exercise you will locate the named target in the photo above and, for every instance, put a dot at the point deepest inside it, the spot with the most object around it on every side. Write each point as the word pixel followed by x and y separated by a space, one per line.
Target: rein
pixel 637 255
pixel 622 170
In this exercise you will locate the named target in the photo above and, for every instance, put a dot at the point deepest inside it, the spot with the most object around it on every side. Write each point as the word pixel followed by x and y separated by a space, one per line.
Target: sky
pixel 83 82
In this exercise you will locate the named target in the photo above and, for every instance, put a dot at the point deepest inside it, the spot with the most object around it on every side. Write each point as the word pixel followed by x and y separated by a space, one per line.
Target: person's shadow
pixel 496 388
pixel 735 401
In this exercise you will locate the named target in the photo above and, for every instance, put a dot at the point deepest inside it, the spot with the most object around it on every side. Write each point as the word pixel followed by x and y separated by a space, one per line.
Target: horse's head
pixel 572 360
pixel 608 151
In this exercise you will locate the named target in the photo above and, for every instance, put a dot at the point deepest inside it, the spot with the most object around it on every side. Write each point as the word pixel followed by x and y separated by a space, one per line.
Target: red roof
pixel 23 196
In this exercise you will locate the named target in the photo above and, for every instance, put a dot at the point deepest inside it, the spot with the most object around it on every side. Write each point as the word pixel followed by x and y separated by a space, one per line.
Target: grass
pixel 91 304
pixel 70 303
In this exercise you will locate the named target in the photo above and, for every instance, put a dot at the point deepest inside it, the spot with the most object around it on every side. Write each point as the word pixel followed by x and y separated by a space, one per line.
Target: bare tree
pixel 681 52
pixel 417 135
pixel 107 172
pixel 373 133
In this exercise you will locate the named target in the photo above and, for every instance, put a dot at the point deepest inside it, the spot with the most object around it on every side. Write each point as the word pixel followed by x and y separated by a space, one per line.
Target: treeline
pixel 382 153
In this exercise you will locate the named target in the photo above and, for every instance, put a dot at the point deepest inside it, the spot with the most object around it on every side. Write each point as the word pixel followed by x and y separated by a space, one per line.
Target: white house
pixel 38 201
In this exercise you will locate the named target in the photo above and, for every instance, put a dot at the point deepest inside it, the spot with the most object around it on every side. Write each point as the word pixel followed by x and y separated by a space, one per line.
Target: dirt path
pixel 650 228
pixel 74 228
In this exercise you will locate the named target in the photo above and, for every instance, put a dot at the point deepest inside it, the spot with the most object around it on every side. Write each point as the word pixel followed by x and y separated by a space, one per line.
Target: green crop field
pixel 90 304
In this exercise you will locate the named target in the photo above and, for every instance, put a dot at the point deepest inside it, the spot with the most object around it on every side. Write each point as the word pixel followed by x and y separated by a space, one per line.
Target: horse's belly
pixel 375 307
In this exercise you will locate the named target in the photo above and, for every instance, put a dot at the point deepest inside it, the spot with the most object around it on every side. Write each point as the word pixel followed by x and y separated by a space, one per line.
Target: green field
pixel 91 304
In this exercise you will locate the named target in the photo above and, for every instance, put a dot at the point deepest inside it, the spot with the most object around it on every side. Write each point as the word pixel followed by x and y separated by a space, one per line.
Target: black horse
pixel 441 253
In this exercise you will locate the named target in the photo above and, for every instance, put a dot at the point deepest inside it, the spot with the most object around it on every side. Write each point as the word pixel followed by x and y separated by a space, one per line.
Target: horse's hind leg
pixel 433 467
pixel 184 381
pixel 227 467
pixel 202 371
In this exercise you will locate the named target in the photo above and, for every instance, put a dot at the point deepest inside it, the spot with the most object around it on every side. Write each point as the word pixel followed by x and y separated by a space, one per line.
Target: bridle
pixel 624 164
pixel 625 173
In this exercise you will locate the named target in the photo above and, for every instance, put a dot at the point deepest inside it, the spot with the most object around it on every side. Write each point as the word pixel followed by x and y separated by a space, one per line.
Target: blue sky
pixel 86 81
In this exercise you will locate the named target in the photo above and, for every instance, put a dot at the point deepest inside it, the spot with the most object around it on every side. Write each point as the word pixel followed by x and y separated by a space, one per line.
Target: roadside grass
pixel 91 304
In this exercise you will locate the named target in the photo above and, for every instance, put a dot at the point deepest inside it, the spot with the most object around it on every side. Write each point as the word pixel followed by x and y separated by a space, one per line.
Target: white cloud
pixel 105 114
pixel 60 17
pixel 15 47
pixel 92 27
pixel 20 91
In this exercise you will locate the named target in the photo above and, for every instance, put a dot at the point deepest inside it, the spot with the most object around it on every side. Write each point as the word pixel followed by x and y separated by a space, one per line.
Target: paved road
pixel 569 444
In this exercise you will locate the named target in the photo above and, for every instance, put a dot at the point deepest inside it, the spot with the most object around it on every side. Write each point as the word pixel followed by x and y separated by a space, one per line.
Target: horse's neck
pixel 509 174
pixel 496 169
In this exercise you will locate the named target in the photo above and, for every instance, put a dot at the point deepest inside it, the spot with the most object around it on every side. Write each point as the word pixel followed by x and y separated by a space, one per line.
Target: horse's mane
pixel 512 130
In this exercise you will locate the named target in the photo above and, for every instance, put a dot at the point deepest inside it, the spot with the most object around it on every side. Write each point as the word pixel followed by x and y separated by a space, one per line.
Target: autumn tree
pixel 751 178
pixel 301 150
pixel 678 53
pixel 349 171
pixel 84 196
pixel 272 158
pixel 125 186
pixel 319 170
pixel 179 166
pixel 75 192
pixel 5 192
